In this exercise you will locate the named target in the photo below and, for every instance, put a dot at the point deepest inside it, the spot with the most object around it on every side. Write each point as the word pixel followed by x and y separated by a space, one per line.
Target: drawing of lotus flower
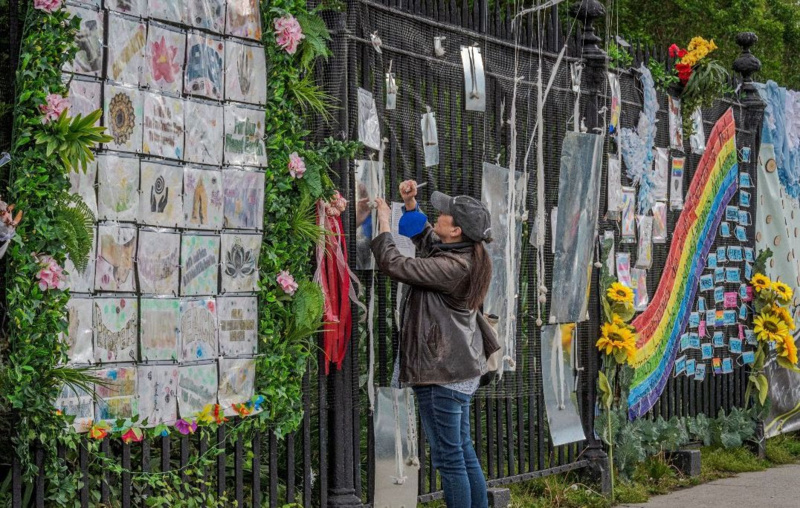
pixel 163 61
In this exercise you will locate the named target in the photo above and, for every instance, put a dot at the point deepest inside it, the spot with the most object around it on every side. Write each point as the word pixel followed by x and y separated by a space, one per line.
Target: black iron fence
pixel 328 461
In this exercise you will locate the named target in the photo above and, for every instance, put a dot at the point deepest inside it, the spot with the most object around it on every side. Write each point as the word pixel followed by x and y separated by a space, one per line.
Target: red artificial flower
pixel 682 53
pixel 134 435
pixel 684 72
pixel 673 51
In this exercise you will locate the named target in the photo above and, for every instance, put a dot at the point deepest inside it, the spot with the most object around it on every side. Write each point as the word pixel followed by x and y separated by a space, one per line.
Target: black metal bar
pixel 105 491
pixel 306 439
pixel 238 469
pixel 16 482
pixel 165 451
pixel 126 475
pixel 184 458
pixel 255 478
pixel 290 469
pixel 202 449
pixel 273 470
pixel 146 490
pixel 221 443
pixel 83 459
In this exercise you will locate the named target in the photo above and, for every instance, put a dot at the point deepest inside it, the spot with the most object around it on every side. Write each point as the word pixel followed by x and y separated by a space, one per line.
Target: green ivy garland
pixel 42 155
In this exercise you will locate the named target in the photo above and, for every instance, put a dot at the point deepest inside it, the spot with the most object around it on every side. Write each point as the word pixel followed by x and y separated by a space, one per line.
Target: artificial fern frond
pixel 74 222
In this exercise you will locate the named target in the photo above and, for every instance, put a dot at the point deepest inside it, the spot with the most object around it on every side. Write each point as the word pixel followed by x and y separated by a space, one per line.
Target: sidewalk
pixel 777 487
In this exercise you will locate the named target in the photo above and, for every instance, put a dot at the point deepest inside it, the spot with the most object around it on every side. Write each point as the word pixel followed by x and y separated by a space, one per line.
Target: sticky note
pixel 719 275
pixel 744 198
pixel 735 345
pixel 729 318
pixel 748 357
pixel 719 294
pixel 721 254
pixel 732 213
pixel 712 261
pixel 749 254
pixel 719 339
pixel 707 282
pixel 743 312
pixel 735 253
pixel 707 351
pixel 694 341
pixel 744 180
pixel 727 366
pixel 700 372
pixel 690 367
pixel 701 304
pixel 751 336
pixel 694 320
pixel 725 230
pixel 741 233
pixel 731 300
pixel 748 271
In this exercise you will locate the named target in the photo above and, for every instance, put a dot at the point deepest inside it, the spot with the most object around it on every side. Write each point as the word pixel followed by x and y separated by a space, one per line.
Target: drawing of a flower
pixel 239 262
pixel 123 118
pixel 162 61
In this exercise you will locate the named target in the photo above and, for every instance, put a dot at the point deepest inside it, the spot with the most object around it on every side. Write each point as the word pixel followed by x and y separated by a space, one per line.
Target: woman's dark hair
pixel 481 276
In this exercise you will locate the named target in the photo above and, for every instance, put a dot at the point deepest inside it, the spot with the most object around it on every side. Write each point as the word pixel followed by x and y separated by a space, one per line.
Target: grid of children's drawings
pixel 166 307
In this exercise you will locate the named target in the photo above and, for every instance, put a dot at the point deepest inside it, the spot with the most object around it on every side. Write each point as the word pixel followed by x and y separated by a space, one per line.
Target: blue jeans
pixel 445 418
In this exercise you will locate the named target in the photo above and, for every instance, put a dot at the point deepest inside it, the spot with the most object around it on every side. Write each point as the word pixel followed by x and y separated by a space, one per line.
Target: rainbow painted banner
pixel 660 326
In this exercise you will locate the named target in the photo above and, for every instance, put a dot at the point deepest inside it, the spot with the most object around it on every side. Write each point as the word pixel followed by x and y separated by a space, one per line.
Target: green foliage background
pixel 664 22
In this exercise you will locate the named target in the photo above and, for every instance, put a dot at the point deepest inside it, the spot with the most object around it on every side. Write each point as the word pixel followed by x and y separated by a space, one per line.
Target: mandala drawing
pixel 123 118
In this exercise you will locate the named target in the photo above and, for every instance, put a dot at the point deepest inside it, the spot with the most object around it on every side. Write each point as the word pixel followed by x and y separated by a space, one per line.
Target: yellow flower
pixel 615 339
pixel 620 293
pixel 768 327
pixel 784 315
pixel 787 348
pixel 689 59
pixel 205 416
pixel 783 291
pixel 760 282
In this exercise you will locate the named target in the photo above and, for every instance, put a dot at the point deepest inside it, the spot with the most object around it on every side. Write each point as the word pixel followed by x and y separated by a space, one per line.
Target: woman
pixel 444 338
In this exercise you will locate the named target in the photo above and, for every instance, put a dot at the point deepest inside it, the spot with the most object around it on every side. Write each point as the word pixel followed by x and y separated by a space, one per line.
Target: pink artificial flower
pixel 162 61
pixel 185 427
pixel 336 206
pixel 287 282
pixel 297 165
pixel 288 33
pixel 56 105
pixel 47 5
pixel 134 435
pixel 51 275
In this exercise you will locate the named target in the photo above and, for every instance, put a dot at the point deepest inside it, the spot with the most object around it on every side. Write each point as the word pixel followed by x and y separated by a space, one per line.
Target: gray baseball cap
pixel 469 214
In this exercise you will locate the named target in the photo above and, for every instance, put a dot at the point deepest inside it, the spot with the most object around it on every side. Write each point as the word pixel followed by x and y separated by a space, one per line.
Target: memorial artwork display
pixel 178 197
pixel 561 401
pixel 660 326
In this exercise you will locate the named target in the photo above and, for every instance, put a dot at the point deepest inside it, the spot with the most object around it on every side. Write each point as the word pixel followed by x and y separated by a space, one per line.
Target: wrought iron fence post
pixel 341 484
pixel 753 107
pixel 593 78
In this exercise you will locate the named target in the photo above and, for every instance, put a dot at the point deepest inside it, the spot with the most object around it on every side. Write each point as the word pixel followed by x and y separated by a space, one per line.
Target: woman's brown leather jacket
pixel 441 340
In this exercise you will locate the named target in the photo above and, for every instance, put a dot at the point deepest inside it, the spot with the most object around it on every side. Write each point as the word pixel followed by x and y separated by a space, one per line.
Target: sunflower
pixel 784 315
pixel 620 293
pixel 787 348
pixel 783 291
pixel 768 327
pixel 760 282
pixel 617 341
